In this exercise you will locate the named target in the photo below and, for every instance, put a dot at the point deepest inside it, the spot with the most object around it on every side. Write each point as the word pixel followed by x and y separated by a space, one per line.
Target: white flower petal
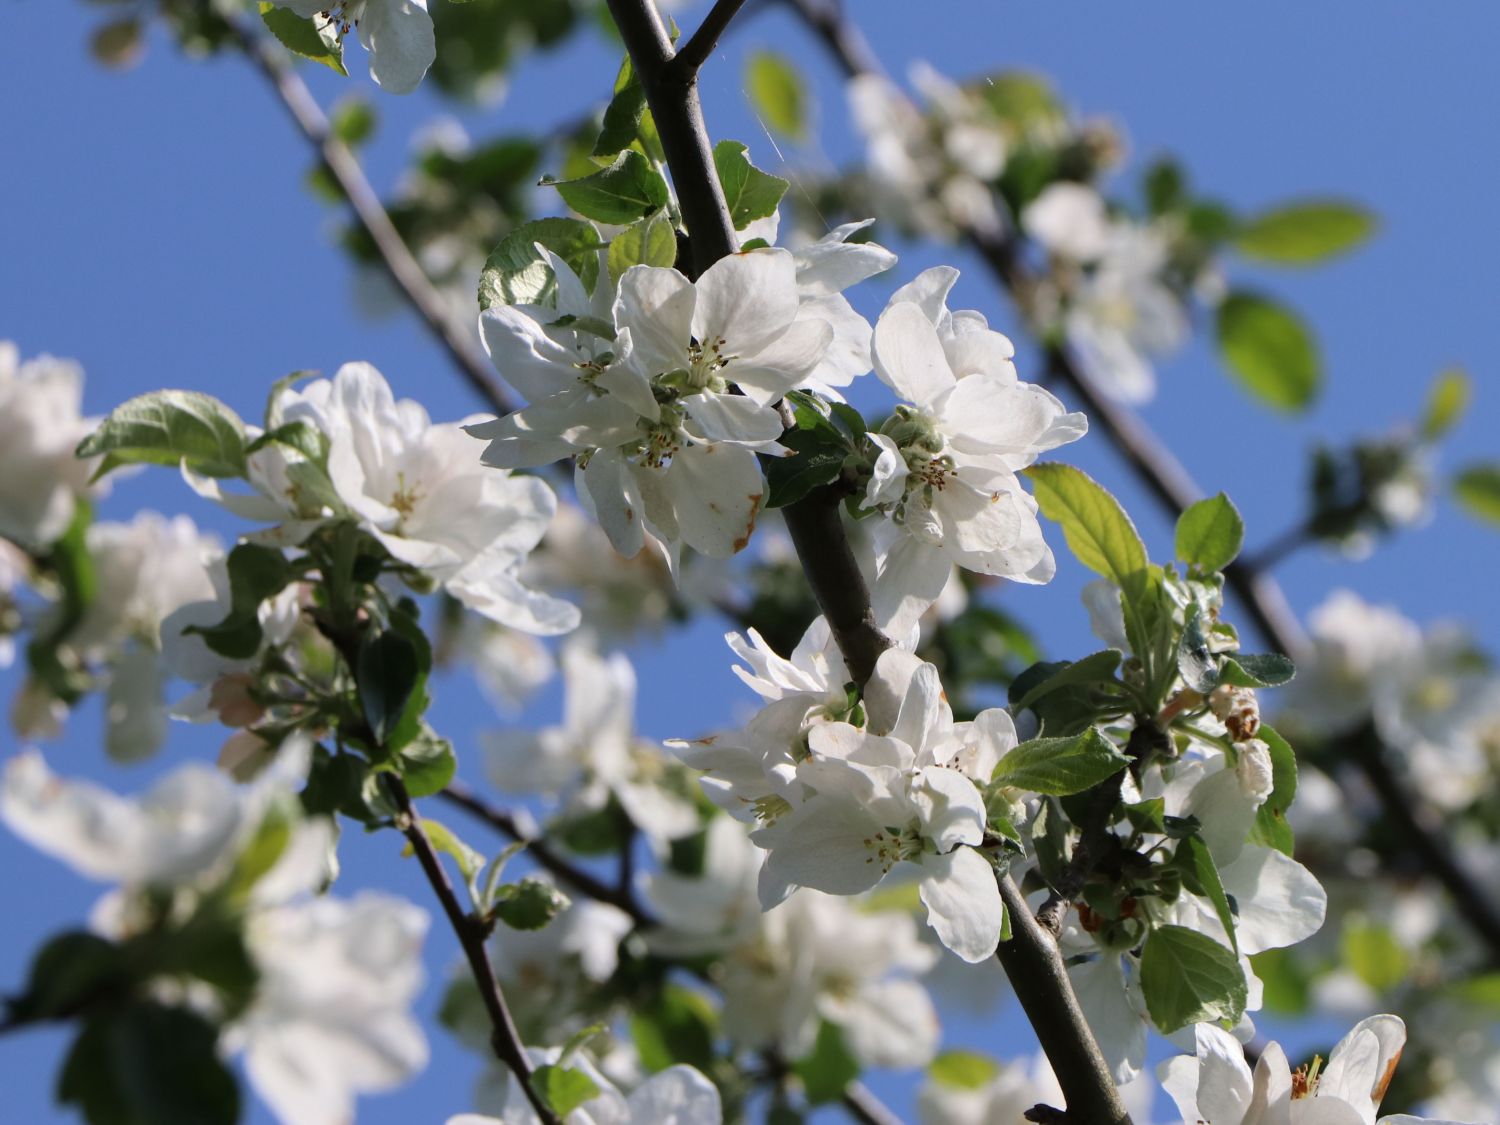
pixel 398 35
pixel 908 355
pixel 963 902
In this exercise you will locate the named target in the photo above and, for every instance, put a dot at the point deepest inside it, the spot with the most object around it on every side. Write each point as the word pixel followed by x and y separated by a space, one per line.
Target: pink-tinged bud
pixel 234 701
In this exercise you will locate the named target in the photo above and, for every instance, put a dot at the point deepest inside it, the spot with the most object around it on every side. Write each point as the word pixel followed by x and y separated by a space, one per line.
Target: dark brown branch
pixel 694 53
pixel 473 936
pixel 395 255
pixel 566 872
pixel 814 523
pixel 1035 967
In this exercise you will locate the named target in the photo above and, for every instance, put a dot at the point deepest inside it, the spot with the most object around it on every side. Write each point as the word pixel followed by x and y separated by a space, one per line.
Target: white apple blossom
pixel 663 447
pixel 1070 220
pixel 813 957
pixel 947 463
pixel 397 33
pixel 595 754
pixel 1216 1086
pixel 332 1013
pixel 41 481
pixel 872 801
pixel 678 1095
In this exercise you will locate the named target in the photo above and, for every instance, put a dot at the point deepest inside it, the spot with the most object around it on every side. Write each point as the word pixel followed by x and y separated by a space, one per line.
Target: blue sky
pixel 155 227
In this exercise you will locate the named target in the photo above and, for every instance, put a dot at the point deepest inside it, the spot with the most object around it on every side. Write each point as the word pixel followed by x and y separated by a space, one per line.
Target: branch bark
pixel 1035 966
pixel 505 1040
pixel 539 850
pixel 694 53
pixel 404 269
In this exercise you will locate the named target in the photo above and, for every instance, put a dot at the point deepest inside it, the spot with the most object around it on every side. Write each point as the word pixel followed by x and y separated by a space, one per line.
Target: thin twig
pixel 395 255
pixel 575 877
pixel 694 53
pixel 865 1106
pixel 472 936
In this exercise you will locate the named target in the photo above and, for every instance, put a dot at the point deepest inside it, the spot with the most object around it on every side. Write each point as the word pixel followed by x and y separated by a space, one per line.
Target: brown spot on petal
pixel 629 515
pixel 744 540
pixel 1383 1084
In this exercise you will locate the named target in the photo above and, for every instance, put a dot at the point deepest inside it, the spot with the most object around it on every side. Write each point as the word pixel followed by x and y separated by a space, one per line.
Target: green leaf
pixel 1252 671
pixel 1187 977
pixel 650 242
pixel 255 574
pixel 313 38
pixel 622 117
pixel 427 763
pixel 529 904
pixel 563 1089
pixel 72 566
pixel 1202 876
pixel 1195 662
pixel 1447 402
pixel 1301 234
pixel 470 863
pixel 1060 766
pixel 1269 350
pixel 263 850
pixel 1477 489
pixel 828 1068
pixel 627 190
pixel 353 121
pixel 1095 668
pixel 72 970
pixel 148 1063
pixel 750 193
pixel 1098 531
pixel 1210 533
pixel 167 428
pixel 777 93
pixel 300 435
pixel 1271 828
pixel 516 274
pixel 963 1070
pixel 679 1025
pixel 1374 954
pixel 818 460
pixel 386 674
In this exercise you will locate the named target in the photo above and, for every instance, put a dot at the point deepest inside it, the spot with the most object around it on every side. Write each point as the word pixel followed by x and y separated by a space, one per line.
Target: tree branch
pixel 694 53
pixel 395 255
pixel 575 877
pixel 864 1106
pixel 1035 967
pixel 814 523
pixel 504 1038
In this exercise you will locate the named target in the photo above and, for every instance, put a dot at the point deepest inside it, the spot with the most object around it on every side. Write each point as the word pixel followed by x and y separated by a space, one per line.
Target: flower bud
pixel 1252 768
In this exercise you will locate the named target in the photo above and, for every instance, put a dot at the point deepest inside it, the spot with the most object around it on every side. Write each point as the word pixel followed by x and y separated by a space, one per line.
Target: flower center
pixel 406 497
pixel 342 16
pixel 890 846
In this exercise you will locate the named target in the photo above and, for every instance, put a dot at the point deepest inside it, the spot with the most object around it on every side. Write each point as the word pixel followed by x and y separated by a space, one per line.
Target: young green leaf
pixel 622 117
pixel 386 674
pixel 819 458
pixel 1447 402
pixel 627 190
pixel 1210 533
pixel 1271 828
pixel 255 574
pixel 312 38
pixel 529 904
pixel 1098 531
pixel 1195 661
pixel 1187 977
pixel 1256 671
pixel 1060 766
pixel 1098 667
pixel 168 428
pixel 1477 489
pixel 777 93
pixel 678 1025
pixel 563 1089
pixel 963 1070
pixel 1301 234
pixel 1269 350
pixel 829 1068
pixel 650 242
pixel 750 193
pixel 515 273
pixel 1198 866
pixel 426 762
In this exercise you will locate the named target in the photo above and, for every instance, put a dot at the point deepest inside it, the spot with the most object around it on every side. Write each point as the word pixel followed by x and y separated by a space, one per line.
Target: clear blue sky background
pixel 154 226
